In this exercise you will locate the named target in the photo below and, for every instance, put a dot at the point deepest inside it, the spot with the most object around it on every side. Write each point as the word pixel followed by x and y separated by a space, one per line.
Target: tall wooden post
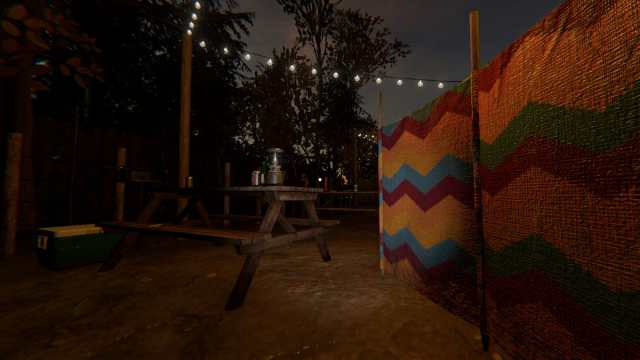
pixel 12 193
pixel 227 198
pixel 355 162
pixel 474 34
pixel 185 116
pixel 380 122
pixel 120 185
pixel 24 116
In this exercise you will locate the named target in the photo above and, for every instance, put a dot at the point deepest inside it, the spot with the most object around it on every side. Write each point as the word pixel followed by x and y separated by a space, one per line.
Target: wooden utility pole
pixel 185 116
pixel 121 163
pixel 12 193
pixel 474 34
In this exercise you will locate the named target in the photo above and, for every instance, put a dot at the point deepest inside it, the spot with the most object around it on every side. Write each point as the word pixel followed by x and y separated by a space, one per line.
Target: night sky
pixel 437 32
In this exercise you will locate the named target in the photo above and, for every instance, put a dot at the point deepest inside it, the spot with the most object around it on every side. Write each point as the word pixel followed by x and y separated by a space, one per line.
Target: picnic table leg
pixel 239 292
pixel 315 220
pixel 117 253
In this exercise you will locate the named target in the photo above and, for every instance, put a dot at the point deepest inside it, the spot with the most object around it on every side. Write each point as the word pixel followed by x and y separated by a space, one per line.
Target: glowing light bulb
pixel 357 78
pixel 189 32
pixel 400 82
pixel 420 84
pixel 270 62
pixel 197 5
pixel 203 44
pixel 292 68
pixel 440 85
pixel 191 25
pixel 194 17
pixel 319 179
pixel 225 50
pixel 336 75
pixel 379 81
pixel 314 71
pixel 247 56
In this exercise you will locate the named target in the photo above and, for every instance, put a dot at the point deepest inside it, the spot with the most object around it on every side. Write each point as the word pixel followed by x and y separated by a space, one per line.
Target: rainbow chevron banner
pixel 560 173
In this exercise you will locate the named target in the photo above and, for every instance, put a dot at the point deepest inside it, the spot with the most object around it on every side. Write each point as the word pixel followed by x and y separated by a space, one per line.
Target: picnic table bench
pixel 252 244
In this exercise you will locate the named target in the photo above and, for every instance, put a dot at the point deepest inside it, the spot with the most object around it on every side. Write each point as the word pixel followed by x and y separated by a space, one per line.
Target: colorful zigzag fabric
pixel 560 172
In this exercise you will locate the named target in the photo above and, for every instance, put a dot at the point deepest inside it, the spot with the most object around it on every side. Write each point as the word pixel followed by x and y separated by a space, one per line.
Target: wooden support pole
pixel 120 185
pixel 12 193
pixel 185 116
pixel 355 162
pixel 380 121
pixel 227 198
pixel 474 34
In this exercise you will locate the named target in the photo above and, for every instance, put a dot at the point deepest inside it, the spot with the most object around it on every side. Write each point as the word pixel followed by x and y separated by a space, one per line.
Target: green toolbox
pixel 76 245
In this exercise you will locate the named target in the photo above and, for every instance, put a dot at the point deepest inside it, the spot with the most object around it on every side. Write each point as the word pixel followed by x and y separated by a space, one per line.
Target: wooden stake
pixel 185 116
pixel 227 198
pixel 12 192
pixel 120 185
pixel 474 35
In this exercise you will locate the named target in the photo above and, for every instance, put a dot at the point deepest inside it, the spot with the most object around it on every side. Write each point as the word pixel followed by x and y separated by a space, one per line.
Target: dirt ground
pixel 168 303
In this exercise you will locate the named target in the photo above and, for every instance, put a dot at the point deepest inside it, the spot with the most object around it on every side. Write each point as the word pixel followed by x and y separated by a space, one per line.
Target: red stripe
pixel 577 165
pixel 535 287
pixel 448 186
pixel 451 101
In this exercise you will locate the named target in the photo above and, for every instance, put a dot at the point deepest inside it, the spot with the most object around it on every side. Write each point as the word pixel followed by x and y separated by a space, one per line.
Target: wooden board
pixel 268 188
pixel 187 231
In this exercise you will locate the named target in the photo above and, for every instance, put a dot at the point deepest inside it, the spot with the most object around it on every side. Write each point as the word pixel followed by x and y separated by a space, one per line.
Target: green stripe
pixel 592 130
pixel 617 312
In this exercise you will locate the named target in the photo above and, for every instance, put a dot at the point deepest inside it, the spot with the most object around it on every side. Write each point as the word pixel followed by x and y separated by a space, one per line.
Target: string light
pixel 292 68
pixel 189 32
pixel 225 50
pixel 440 85
pixel 197 5
pixel 203 44
pixel 314 71
pixel 357 78
pixel 247 57
pixel 191 25
pixel 270 62
pixel 194 16
pixel 420 83
pixel 379 81
pixel 400 82
pixel 336 75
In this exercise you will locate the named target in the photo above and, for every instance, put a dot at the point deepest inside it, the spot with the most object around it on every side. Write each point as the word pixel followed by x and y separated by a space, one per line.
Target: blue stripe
pixel 434 256
pixel 448 166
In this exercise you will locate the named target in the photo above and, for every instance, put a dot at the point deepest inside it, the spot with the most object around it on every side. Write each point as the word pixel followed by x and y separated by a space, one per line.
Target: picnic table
pixel 251 244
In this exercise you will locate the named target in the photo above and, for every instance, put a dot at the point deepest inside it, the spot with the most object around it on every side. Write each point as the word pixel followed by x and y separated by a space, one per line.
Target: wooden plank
pixel 266 189
pixel 322 243
pixel 271 217
pixel 12 192
pixel 285 224
pixel 278 241
pixel 347 209
pixel 239 292
pixel 187 231
pixel 292 196
pixel 292 221
pixel 120 186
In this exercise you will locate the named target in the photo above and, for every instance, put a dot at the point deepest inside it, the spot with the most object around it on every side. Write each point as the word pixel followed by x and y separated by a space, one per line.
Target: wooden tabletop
pixel 269 188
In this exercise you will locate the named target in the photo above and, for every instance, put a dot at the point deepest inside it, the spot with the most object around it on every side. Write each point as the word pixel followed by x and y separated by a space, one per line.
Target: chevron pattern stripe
pixel 560 172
